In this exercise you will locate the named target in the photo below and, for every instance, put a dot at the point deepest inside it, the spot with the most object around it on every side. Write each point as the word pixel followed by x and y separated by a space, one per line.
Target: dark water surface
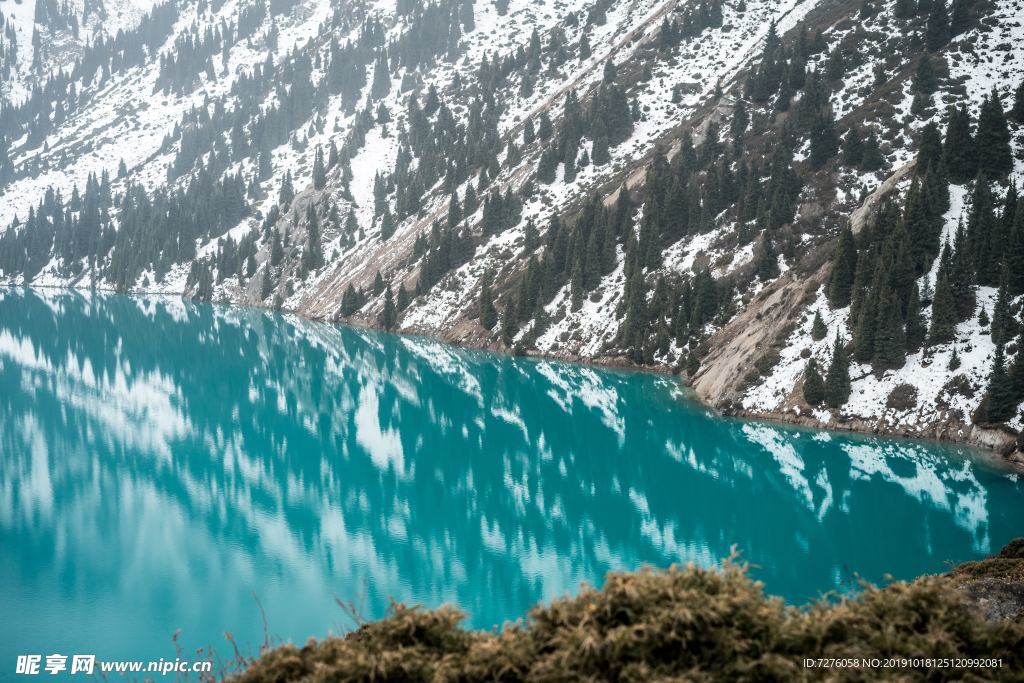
pixel 162 463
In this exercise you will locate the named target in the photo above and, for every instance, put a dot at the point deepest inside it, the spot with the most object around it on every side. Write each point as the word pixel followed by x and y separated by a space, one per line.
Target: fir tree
pixel 276 248
pixel 937 28
pixel 692 364
pixel 313 255
pixel 998 403
pixel 837 379
pixel 1002 320
pixel 916 331
pixel 601 155
pixel 890 337
pixel 544 129
pixel 995 158
pixel 766 259
pixel 872 159
pixel 547 166
pixel 509 324
pixel 844 265
pixel 818 328
pixel 814 385
pixel 958 148
pixel 351 301
pixel 387 225
pixel 584 50
pixel 929 148
pixel 1014 258
pixel 488 313
pixel 824 139
pixel 943 326
pixel 961 275
pixel 1017 112
pixel 960 19
pixel 319 172
pixel 853 148
pixel 926 79
pixel 388 315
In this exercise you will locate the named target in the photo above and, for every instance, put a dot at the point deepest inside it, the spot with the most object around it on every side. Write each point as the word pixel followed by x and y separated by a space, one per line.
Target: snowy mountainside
pixel 678 184
pixel 41 36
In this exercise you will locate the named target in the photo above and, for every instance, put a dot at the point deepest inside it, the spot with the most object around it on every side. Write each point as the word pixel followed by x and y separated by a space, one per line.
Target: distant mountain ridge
pixel 720 188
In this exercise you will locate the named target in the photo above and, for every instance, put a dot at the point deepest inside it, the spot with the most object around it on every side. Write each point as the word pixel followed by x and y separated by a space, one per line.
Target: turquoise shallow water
pixel 161 464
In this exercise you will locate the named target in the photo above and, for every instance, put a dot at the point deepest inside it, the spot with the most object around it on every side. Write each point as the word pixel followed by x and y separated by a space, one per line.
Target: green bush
pixel 683 623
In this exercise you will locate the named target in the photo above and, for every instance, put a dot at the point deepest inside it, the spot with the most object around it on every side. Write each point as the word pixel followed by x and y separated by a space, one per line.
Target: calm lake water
pixel 163 463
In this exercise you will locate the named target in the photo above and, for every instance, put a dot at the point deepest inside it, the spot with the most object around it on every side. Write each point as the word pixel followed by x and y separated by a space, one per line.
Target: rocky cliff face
pixel 663 184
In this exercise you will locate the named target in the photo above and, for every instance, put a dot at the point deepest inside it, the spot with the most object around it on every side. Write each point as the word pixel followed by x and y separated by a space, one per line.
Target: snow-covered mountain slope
pixel 661 183
pixel 40 36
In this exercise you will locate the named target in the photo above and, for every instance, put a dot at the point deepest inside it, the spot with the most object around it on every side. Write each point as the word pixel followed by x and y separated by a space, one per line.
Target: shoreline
pixel 996 445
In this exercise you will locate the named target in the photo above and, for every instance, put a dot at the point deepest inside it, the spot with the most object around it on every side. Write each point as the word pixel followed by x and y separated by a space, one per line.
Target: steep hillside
pixel 808 208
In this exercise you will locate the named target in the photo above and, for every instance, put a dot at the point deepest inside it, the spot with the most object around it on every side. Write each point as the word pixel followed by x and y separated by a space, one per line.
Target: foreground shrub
pixel 683 623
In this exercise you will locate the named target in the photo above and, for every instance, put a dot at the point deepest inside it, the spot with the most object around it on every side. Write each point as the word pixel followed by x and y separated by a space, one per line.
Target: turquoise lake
pixel 164 465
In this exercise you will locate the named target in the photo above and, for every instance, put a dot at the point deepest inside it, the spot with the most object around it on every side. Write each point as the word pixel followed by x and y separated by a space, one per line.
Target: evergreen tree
pixel 388 315
pixel 488 313
pixel 509 324
pixel 601 154
pixel 926 78
pixel 824 139
pixel 998 403
pixel 814 385
pixel 960 20
pixel 890 337
pixel 387 225
pixel 958 148
pixel 818 329
pixel 853 147
pixel 692 364
pixel 905 9
pixel 943 326
pixel 937 28
pixel 319 171
pixel 917 331
pixel 766 259
pixel 276 248
pixel 544 128
pixel 961 275
pixel 837 379
pixel 576 286
pixel 313 255
pixel 995 159
pixel 1002 319
pixel 929 148
pixel 547 166
pixel 1017 112
pixel 1015 252
pixel 844 265
pixel 872 159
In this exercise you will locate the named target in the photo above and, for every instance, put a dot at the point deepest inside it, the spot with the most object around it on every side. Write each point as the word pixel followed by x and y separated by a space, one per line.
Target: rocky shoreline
pixel 1002 442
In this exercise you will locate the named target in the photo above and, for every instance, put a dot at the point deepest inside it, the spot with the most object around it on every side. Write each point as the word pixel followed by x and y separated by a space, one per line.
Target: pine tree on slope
pixel 995 157
pixel 837 379
pixel 814 385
